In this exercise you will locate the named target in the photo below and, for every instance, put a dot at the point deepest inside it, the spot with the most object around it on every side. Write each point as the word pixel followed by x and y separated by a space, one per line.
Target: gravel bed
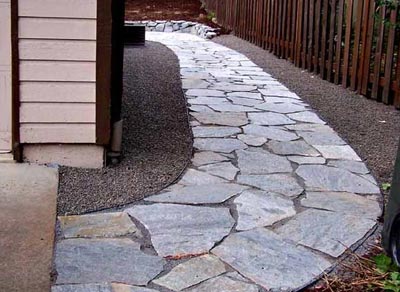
pixel 157 140
pixel 371 128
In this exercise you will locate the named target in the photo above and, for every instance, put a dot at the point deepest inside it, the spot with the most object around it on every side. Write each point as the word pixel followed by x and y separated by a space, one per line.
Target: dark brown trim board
pixel 17 150
pixel 103 71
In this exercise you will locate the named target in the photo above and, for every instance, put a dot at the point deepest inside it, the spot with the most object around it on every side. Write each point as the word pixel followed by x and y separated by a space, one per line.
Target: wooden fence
pixel 344 41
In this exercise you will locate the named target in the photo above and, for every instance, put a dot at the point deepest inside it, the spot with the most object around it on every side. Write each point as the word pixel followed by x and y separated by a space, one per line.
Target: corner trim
pixel 15 90
pixel 103 72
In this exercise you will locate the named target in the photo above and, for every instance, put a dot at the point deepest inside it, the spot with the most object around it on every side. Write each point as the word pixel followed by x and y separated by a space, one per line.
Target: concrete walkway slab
pixel 27 220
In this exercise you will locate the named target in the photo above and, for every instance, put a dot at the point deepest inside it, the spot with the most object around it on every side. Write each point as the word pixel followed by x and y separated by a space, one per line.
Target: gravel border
pixel 157 140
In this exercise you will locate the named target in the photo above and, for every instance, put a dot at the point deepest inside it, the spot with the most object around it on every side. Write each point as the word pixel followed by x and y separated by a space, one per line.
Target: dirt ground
pixel 190 10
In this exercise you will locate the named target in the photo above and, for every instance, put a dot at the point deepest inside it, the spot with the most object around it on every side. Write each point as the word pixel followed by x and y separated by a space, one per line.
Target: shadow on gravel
pixel 157 141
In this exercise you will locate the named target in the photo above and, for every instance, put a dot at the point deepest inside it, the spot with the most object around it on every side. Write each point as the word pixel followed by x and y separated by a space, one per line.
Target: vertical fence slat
pixel 368 49
pixel 347 42
pixel 357 36
pixel 378 56
pixel 317 27
pixel 331 40
pixel 338 57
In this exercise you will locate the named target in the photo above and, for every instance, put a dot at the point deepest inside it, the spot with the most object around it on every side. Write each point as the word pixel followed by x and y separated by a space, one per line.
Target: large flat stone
pixel 321 138
pixel 199 194
pixel 224 284
pixel 113 287
pixel 245 101
pixel 270 119
pixel 346 203
pixel 324 178
pixel 215 132
pixel 84 261
pixel 192 272
pixel 97 225
pixel 326 231
pixel 195 177
pixel 270 133
pixel 262 162
pixel 232 108
pixel 178 230
pixel 307 117
pixel 283 184
pixel 225 86
pixel 225 170
pixel 205 92
pixel 270 261
pixel 338 152
pixel 278 93
pixel 282 108
pixel 223 119
pixel 250 95
pixel 219 145
pixel 307 160
pixel 207 157
pixel 252 140
pixel 206 100
pixel 259 209
pixel 194 84
pixel 350 165
pixel 293 148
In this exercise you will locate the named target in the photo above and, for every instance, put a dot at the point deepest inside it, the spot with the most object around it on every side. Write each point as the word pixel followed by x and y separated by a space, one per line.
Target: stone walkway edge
pixel 272 200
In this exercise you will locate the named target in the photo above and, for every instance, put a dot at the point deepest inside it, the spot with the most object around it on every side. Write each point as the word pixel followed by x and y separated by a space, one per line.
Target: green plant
pixel 388 6
pixel 386 186
pixel 211 15
pixel 386 267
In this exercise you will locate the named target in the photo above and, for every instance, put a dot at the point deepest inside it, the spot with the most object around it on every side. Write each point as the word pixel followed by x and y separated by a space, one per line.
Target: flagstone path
pixel 272 199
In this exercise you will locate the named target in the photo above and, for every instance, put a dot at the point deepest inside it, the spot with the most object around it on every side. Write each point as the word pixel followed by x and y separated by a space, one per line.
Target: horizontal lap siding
pixel 57 50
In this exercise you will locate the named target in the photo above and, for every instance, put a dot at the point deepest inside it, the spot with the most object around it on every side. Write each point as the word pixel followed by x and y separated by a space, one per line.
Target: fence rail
pixel 344 41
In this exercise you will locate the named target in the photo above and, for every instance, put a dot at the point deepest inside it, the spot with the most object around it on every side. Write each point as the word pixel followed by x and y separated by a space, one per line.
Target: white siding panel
pixel 58 8
pixel 57 28
pixel 58 133
pixel 57 71
pixel 58 113
pixel 57 50
pixel 58 92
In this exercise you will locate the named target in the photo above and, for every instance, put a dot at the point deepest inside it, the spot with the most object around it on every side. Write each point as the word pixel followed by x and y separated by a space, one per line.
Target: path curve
pixel 272 199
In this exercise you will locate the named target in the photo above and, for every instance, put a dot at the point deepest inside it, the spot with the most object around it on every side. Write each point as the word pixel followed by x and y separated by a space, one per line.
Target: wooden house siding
pixel 5 77
pixel 57 71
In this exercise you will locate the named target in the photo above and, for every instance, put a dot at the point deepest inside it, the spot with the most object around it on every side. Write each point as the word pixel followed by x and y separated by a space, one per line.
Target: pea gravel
pixel 157 141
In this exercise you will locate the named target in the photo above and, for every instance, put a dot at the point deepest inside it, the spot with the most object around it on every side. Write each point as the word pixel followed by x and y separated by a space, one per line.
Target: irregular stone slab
pixel 192 272
pixel 282 108
pixel 195 177
pixel 84 261
pixel 214 132
pixel 259 209
pixel 270 119
pixel 293 148
pixel 321 138
pixel 245 101
pixel 200 108
pixel 97 225
pixel 262 162
pixel 262 256
pixel 178 231
pixel 225 170
pixel 200 194
pixel 252 140
pixel 194 84
pixel 219 145
pixel 232 108
pixel 278 92
pixel 250 95
pixel 307 117
pixel 205 92
pixel 353 166
pixel 205 100
pixel 114 287
pixel 283 184
pixel 330 179
pixel 309 128
pixel 338 152
pixel 307 160
pixel 224 119
pixel 346 203
pixel 326 231
pixel 224 284
pixel 203 158
pixel 275 99
pixel 233 87
pixel 369 178
pixel 270 133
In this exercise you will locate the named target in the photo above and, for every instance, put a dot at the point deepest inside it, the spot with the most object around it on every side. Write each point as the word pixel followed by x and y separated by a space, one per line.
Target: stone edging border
pixel 181 26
